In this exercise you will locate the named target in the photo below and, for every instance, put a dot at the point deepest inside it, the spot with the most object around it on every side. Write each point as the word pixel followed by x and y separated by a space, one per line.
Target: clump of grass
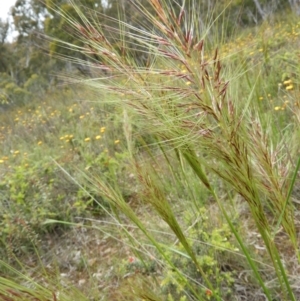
pixel 26 288
pixel 188 101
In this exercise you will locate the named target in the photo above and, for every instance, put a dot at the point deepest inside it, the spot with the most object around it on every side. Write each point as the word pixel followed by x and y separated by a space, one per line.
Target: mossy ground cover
pixel 98 203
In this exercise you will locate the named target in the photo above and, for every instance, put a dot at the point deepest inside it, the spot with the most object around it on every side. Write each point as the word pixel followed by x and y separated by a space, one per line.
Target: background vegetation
pixel 140 164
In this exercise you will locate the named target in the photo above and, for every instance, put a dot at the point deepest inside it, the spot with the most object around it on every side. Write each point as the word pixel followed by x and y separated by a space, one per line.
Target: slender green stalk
pixel 294 177
pixel 196 166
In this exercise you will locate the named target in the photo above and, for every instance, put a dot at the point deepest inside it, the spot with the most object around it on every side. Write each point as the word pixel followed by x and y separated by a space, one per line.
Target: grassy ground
pixel 177 196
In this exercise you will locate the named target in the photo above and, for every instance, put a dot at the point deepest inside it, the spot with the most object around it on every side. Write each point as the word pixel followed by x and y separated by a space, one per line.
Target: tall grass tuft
pixel 24 287
pixel 167 76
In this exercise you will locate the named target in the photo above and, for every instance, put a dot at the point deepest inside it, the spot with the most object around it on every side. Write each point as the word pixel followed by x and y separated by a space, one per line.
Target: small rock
pixel 81 282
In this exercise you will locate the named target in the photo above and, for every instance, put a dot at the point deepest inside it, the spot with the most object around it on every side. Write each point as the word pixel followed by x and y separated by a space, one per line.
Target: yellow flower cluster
pixel 282 107
pixel 67 138
pixel 98 137
pixel 288 85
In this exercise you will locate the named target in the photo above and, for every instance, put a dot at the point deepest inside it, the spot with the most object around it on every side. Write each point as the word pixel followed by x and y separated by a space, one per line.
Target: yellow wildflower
pixel 87 139
pixel 277 108
pixel 289 87
pixel 102 130
pixel 1 161
pixel 40 143
pixel 98 137
pixel 117 141
pixel 287 82
pixel 81 117
pixel 261 98
pixel 16 152
pixel 188 83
